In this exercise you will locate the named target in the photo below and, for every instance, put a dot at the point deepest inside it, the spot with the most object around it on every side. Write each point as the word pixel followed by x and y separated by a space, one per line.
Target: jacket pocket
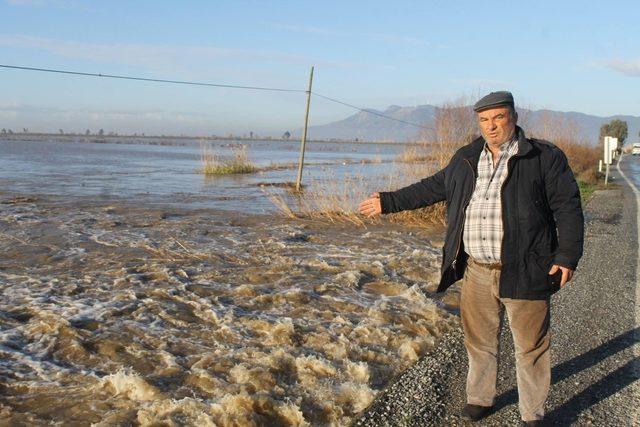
pixel 539 266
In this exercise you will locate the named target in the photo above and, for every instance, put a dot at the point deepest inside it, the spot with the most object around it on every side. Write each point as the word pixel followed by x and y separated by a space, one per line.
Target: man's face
pixel 497 125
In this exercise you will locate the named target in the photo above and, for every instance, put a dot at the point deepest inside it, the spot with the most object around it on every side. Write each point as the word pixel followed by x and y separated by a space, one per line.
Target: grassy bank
pixel 586 190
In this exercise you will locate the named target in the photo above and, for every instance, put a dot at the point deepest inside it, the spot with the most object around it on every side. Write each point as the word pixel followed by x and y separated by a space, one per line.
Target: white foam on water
pixel 126 383
pixel 186 411
pixel 28 367
pixel 354 397
pixel 276 327
pixel 349 278
pixel 244 409
pixel 358 372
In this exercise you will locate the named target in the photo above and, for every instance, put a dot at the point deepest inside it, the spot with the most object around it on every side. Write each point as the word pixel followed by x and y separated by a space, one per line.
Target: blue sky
pixel 562 55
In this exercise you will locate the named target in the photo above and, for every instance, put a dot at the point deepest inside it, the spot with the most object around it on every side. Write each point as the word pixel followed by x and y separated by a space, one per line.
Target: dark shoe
pixel 475 412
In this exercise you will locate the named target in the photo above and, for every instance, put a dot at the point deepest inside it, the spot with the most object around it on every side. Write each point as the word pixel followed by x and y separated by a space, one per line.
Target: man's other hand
pixel 371 206
pixel 567 273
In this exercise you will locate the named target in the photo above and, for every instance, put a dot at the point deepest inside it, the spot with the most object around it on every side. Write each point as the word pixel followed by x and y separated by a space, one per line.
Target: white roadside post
pixel 607 159
pixel 610 144
pixel 613 146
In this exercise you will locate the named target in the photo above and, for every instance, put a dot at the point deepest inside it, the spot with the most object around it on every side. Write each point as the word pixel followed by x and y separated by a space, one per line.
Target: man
pixel 514 236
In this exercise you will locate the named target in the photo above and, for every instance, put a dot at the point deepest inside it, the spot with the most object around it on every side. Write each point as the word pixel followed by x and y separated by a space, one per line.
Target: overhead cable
pixel 146 79
pixel 193 83
pixel 375 113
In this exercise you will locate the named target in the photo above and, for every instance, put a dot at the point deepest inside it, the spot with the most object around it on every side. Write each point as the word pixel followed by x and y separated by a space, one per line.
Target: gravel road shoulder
pixel 594 337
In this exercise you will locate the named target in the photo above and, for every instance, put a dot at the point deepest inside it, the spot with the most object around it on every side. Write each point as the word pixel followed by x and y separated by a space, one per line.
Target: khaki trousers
pixel 482 313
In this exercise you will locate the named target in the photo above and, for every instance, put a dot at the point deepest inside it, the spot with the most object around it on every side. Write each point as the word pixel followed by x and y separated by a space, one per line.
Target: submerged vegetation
pixel 238 162
pixel 215 164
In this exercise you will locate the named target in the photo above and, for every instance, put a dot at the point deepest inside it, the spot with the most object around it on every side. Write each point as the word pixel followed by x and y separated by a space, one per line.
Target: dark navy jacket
pixel 541 213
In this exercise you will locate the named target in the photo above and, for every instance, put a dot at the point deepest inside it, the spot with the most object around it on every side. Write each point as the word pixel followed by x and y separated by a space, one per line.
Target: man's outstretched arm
pixel 422 193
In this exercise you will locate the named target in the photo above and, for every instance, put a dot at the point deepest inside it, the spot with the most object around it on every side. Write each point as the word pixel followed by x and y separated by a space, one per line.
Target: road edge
pixel 636 366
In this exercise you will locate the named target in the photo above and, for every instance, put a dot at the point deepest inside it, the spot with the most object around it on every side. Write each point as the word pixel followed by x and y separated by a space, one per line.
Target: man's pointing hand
pixel 371 207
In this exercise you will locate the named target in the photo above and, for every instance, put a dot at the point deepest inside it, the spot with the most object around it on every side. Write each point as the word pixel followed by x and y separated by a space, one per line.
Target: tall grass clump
pixel 334 200
pixel 215 164
pixel 414 153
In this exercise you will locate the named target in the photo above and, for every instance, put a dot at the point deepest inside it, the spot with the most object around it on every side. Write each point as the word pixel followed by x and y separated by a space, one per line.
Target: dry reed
pixel 582 156
pixel 333 200
pixel 455 125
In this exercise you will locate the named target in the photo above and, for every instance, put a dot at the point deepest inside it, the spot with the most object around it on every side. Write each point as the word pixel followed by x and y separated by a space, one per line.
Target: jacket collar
pixel 524 146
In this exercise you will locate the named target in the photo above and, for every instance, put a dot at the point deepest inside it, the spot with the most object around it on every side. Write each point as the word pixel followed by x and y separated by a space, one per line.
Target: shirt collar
pixel 506 147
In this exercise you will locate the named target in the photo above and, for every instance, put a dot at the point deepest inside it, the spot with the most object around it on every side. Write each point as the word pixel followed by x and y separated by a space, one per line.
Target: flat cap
pixel 494 99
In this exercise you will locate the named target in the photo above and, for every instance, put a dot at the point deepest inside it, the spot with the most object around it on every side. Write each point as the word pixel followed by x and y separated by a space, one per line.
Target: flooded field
pixel 166 170
pixel 119 310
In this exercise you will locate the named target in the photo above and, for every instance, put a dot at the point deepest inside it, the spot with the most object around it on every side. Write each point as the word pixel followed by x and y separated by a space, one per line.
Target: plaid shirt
pixel 483 221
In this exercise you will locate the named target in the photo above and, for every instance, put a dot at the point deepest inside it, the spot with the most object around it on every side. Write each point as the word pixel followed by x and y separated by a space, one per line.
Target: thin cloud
pixel 380 37
pixel 117 114
pixel 484 83
pixel 628 67
pixel 34 3
pixel 25 2
pixel 156 56
pixel 309 30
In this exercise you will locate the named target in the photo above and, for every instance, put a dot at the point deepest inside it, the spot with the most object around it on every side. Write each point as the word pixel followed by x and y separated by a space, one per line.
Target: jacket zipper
pixel 455 259
pixel 501 205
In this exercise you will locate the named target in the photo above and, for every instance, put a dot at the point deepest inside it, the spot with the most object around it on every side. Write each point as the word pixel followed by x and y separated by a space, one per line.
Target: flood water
pixel 134 294
pixel 167 172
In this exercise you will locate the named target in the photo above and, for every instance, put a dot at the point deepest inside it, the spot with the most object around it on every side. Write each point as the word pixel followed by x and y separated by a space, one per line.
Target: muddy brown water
pixel 128 314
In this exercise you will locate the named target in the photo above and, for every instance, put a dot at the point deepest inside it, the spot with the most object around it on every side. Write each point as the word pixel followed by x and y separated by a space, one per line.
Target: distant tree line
pixel 615 128
pixel 5 131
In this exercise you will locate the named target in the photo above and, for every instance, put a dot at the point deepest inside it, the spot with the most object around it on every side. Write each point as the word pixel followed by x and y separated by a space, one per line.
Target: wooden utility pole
pixel 304 133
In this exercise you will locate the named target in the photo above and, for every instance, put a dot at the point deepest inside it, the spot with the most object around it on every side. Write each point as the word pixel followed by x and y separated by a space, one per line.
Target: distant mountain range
pixel 370 127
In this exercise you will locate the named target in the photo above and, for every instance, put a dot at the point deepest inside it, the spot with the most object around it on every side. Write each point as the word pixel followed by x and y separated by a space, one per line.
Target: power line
pixel 375 113
pixel 145 79
pixel 193 83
